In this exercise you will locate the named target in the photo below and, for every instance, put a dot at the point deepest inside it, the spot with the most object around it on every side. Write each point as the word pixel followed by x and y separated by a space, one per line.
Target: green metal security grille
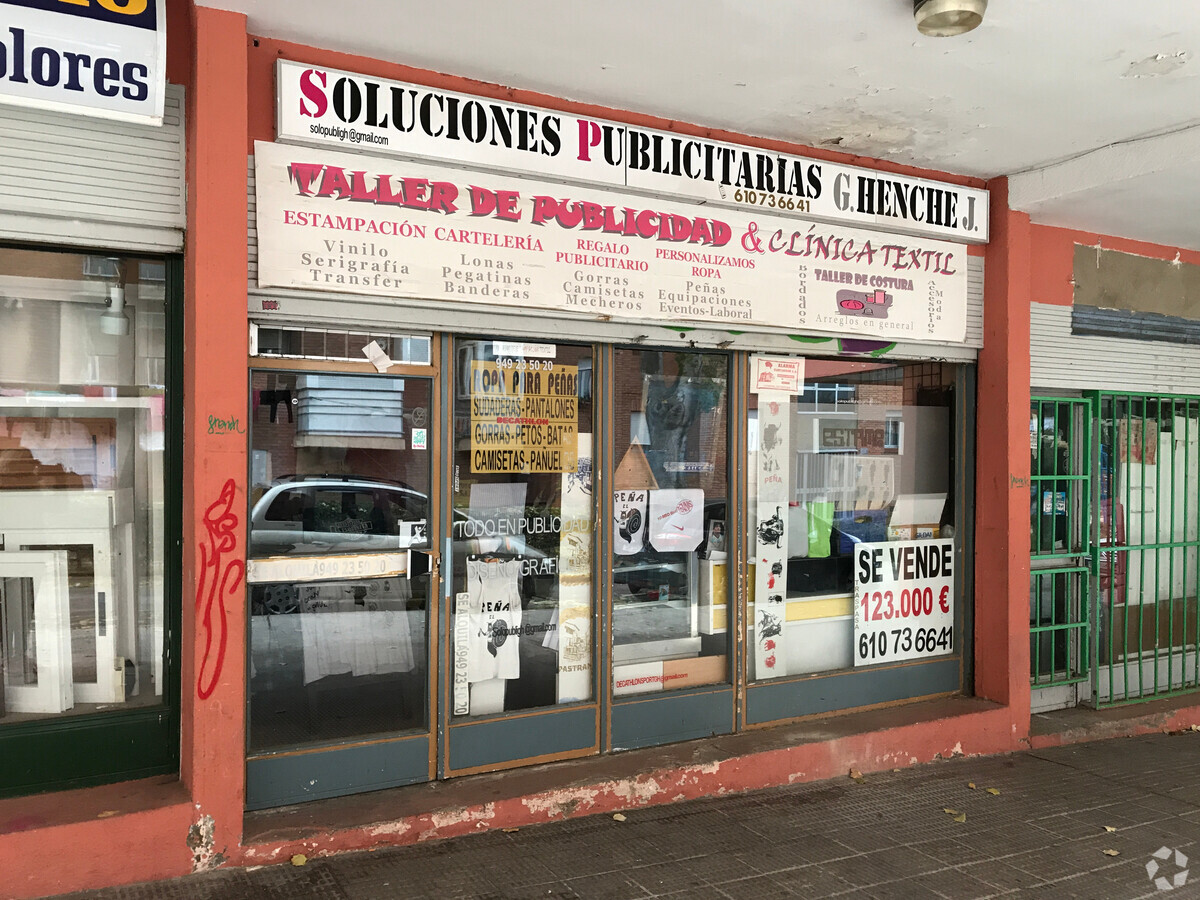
pixel 1145 552
pixel 1059 527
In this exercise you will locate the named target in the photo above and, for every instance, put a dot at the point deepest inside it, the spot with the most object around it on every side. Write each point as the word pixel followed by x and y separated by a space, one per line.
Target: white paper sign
pixel 629 522
pixel 573 617
pixel 676 520
pixel 777 373
pixel 771 535
pixel 903 600
pixel 524 350
pixel 331 221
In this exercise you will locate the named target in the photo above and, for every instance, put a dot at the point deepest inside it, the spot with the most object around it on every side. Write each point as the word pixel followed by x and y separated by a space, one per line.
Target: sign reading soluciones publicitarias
pixel 343 222
pixel 102 58
pixel 331 107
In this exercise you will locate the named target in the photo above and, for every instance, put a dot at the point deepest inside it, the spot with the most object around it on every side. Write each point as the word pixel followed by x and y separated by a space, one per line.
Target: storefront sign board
pixel 105 58
pixel 903 600
pixel 332 107
pixel 341 222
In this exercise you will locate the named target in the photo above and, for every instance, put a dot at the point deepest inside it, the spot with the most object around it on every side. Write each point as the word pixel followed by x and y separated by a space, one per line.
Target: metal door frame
pixel 1061 471
pixel 1160 671
pixel 370 762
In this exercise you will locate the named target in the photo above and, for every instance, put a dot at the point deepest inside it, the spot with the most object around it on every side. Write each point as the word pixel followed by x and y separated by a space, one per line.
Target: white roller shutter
pixel 80 181
pixel 1060 360
pixel 331 309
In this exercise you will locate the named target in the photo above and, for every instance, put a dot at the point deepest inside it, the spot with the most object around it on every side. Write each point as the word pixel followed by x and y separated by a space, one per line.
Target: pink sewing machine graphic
pixel 872 304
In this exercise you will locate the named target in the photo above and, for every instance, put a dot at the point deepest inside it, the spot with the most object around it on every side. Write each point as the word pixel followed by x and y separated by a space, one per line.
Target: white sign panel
pixel 328 106
pixel 343 222
pixel 777 373
pixel 102 58
pixel 903 600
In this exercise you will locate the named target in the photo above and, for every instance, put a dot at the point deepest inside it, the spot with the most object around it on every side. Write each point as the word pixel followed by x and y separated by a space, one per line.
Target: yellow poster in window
pixel 524 416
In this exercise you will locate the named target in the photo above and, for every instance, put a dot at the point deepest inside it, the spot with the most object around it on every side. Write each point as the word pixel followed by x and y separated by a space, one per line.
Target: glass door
pixel 520 686
pixel 671 563
pixel 341 581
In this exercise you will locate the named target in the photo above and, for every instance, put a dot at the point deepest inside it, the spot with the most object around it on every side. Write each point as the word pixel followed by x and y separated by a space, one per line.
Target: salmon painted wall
pixel 1002 466
pixel 1053 258
pixel 215 458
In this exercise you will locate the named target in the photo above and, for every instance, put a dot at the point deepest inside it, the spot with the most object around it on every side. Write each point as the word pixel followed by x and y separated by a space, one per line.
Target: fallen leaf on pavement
pixel 1111 852
pixel 299 859
pixel 509 830
pixel 856 775
pixel 960 818
pixel 994 791
pixel 106 814
pixel 971 785
pixel 1109 829
pixel 618 817
pixel 950 812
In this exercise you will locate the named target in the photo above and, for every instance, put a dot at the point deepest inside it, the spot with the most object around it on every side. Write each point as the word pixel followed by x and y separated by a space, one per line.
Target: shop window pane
pixel 339 567
pixel 82 393
pixel 875 466
pixel 522 527
pixel 670 564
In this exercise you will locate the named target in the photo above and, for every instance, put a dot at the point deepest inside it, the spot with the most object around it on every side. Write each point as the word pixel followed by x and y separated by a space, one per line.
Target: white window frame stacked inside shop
pixel 111 114
pixel 417 211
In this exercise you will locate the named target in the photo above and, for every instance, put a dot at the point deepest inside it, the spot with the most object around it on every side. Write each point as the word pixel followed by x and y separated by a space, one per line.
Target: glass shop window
pixel 670 564
pixel 521 526
pixel 339 574
pixel 863 455
pixel 82 391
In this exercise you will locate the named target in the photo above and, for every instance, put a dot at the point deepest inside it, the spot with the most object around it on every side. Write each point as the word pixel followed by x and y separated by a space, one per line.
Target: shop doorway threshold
pixel 808 750
pixel 1078 724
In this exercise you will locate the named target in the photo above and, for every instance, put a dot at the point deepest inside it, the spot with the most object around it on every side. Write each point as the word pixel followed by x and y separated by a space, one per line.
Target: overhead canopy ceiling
pixel 1092 106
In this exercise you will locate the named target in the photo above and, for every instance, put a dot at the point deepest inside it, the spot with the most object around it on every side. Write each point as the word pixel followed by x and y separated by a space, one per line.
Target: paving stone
pixel 610 886
pixel 1042 836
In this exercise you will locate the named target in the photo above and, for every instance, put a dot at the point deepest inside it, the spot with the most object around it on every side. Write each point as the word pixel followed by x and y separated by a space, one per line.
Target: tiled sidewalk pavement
pixel 1042 835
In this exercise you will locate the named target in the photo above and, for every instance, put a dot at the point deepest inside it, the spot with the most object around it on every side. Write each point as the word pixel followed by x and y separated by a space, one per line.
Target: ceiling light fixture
pixel 946 18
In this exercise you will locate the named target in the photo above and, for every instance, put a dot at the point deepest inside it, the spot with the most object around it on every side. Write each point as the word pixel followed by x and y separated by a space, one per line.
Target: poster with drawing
pixel 676 520
pixel 493 604
pixel 771 534
pixel 629 522
pixel 573 616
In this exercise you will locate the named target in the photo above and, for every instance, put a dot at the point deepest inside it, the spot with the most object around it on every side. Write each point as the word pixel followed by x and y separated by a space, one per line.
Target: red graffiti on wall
pixel 219 578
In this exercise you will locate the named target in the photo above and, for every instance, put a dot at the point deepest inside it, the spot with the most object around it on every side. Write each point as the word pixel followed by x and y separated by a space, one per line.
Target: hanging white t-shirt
pixel 494 610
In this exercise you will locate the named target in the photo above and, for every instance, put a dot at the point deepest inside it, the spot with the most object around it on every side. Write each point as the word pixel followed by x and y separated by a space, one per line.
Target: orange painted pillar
pixel 214 505
pixel 1002 467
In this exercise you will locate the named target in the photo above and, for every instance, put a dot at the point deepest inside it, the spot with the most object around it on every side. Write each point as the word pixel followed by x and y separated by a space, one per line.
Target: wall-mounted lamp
pixel 113 320
pixel 947 18
pixel 112 269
